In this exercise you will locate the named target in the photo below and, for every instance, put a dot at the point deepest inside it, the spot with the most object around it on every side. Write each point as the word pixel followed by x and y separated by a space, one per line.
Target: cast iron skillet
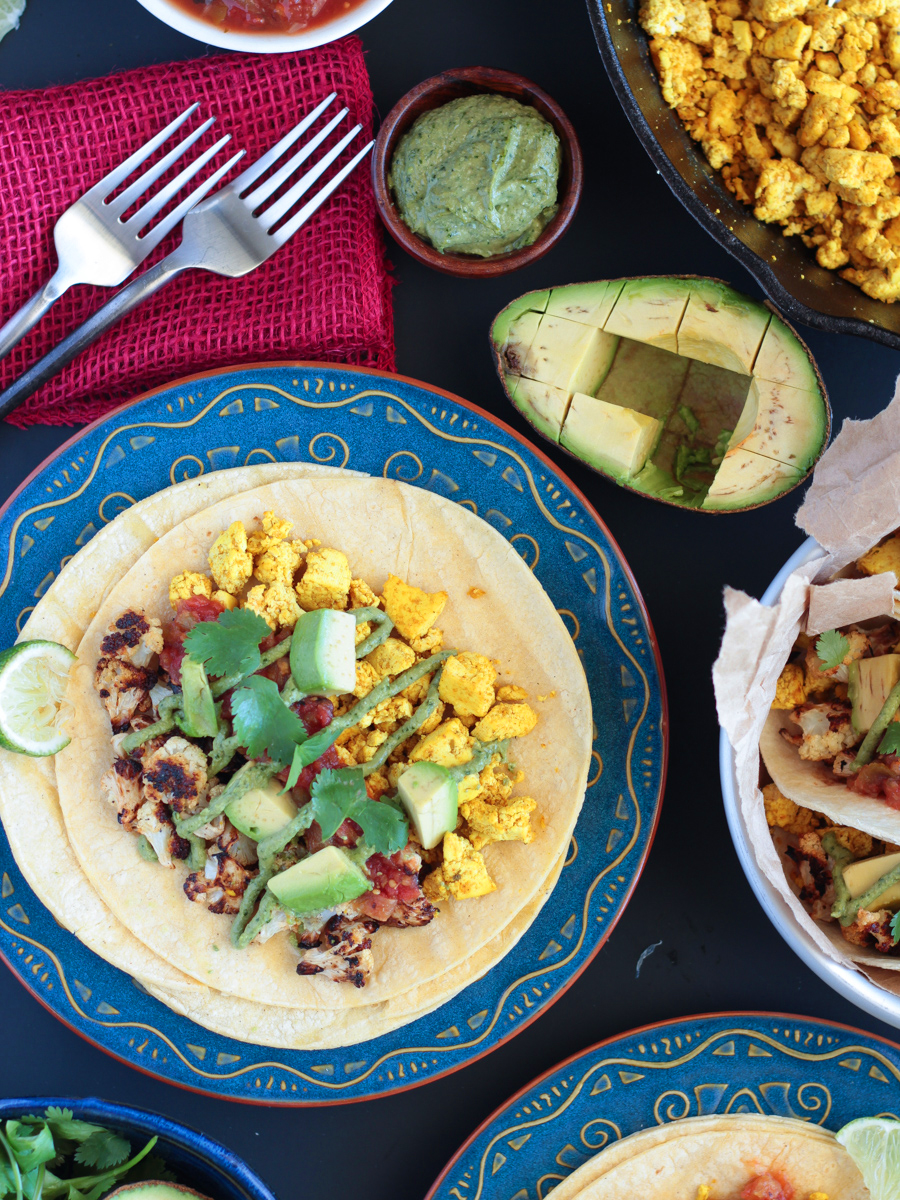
pixel 783 267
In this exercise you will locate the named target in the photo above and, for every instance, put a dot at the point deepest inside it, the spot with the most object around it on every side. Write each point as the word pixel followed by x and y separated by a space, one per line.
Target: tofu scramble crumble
pixel 284 802
pixel 796 104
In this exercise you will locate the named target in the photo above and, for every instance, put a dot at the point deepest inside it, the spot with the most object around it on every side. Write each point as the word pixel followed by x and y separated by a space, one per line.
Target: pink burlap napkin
pixel 324 295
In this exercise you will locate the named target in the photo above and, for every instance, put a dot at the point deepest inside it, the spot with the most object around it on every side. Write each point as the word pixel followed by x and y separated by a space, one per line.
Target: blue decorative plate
pixel 766 1063
pixel 390 426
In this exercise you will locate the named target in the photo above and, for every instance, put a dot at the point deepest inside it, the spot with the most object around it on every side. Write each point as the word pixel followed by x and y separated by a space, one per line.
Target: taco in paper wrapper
pixel 824 832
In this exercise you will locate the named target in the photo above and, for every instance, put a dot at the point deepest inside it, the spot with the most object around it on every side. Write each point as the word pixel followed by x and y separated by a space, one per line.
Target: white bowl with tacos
pixel 845 979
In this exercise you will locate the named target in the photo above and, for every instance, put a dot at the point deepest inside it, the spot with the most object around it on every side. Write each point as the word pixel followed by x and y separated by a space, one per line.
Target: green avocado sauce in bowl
pixel 477 172
pixel 477 175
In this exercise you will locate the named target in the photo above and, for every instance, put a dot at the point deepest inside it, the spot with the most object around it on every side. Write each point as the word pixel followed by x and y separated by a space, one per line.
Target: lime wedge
pixel 33 678
pixel 10 11
pixel 874 1145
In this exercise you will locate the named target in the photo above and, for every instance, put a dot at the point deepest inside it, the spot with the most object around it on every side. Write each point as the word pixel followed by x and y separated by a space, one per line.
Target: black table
pixel 718 950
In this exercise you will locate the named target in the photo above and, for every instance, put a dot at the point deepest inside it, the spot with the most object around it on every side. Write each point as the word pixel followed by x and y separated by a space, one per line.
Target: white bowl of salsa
pixel 265 26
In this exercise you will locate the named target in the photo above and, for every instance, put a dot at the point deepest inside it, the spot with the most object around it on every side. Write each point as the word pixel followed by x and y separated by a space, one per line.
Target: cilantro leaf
pixel 890 743
pixel 263 722
pixel 230 644
pixel 895 927
pixel 832 648
pixel 103 1149
pixel 337 796
pixel 32 1147
pixel 384 826
pixel 64 1125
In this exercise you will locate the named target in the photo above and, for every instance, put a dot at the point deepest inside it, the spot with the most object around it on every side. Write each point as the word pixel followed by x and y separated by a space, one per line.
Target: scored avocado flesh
pixel 729 437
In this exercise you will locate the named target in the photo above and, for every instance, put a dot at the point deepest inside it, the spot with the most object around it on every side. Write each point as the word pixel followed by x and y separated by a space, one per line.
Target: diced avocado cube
pixel 572 357
pixel 587 303
pixel 520 338
pixel 783 358
pixel 745 479
pixel 532 302
pixel 542 404
pixel 869 683
pixel 429 794
pixel 860 876
pixel 722 327
pixel 782 422
pixel 262 811
pixel 650 311
pixel 326 879
pixel 616 439
pixel 323 652
pixel 199 707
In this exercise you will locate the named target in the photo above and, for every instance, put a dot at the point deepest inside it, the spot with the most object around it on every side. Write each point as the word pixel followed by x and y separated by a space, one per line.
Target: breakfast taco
pixel 736 1157
pixel 30 812
pixel 365 882
pixel 831 751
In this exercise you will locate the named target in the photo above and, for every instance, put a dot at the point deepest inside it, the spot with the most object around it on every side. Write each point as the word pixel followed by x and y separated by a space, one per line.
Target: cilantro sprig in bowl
pixel 54 1148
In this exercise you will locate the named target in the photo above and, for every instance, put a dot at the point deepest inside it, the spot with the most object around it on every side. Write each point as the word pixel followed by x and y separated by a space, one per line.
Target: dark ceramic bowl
pixel 438 90
pixel 783 267
pixel 197 1160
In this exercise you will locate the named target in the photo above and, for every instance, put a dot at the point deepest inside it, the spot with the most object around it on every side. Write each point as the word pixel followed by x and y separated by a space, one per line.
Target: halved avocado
pixel 154 1189
pixel 734 411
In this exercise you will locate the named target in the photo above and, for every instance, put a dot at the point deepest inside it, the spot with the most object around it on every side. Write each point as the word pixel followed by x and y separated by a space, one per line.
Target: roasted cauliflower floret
pixel 790 691
pixel 462 871
pixel 275 603
pixel 279 563
pixel 449 745
pixel 220 885
pixel 467 682
pixel 274 530
pixel 826 730
pixel 175 774
pixel 510 822
pixel 506 721
pixel 133 638
pixel 885 557
pixel 152 822
pixel 230 562
pixel 189 583
pixel 783 813
pixel 412 610
pixel 326 580
pixel 392 657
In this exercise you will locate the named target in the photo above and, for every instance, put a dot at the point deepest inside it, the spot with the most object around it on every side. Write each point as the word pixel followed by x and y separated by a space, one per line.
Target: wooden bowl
pixel 438 90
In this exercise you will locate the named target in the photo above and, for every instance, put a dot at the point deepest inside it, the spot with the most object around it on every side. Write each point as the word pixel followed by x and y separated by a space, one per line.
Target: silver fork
pixel 225 234
pixel 94 245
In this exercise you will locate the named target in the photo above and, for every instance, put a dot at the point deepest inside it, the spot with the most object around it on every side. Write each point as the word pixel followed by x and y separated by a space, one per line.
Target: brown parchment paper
pixel 853 502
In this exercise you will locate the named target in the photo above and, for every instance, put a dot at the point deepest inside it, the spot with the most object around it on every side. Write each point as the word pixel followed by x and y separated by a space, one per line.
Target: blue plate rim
pixel 483 414
pixel 726 1014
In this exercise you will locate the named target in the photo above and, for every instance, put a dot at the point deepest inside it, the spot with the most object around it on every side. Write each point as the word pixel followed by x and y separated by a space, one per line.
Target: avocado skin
pixel 651 480
pixel 155 1189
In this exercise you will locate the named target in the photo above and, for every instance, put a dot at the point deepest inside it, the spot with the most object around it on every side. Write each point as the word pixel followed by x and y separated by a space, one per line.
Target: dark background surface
pixel 718 950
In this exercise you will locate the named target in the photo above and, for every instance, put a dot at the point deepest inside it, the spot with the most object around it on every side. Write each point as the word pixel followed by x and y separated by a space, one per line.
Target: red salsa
pixel 267 16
